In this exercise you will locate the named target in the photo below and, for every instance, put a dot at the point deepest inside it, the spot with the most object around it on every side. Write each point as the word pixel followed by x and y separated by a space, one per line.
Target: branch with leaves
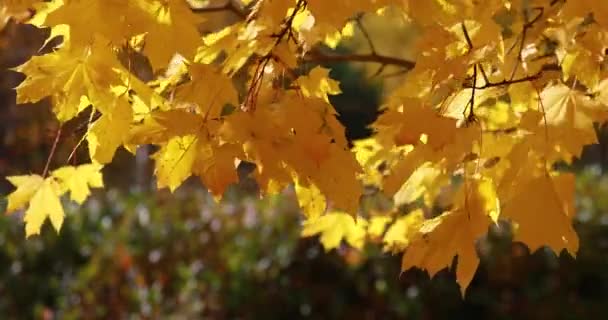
pixel 494 96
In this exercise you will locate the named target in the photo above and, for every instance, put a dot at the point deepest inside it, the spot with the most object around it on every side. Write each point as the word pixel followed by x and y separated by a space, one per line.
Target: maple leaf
pixel 160 126
pixel 209 89
pixel 398 235
pixel 583 8
pixel 78 179
pixel 26 188
pixel 174 161
pixel 44 204
pixel 110 131
pixel 175 32
pixel 377 224
pixel 543 209
pixel 115 20
pixel 68 75
pixel 570 118
pixel 318 84
pixel 454 233
pixel 334 227
pixel 43 198
pixel 216 166
pixel 330 16
pixel 311 200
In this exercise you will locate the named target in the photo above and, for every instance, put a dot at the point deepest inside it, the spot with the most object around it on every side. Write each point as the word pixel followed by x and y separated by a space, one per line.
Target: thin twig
pixel 471 117
pixel 466 36
pixel 52 153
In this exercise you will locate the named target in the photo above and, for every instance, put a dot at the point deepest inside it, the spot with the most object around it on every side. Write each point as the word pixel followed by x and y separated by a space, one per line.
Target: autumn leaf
pixel 311 200
pixel 42 199
pixel 543 210
pixel 26 188
pixel 334 227
pixel 318 84
pixel 68 75
pixel 174 161
pixel 398 235
pixel 78 180
pixel 209 90
pixel 454 233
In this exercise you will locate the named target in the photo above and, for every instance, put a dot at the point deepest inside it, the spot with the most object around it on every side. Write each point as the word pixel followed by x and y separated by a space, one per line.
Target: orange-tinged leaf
pixel 216 166
pixel 160 126
pixel 115 20
pixel 452 234
pixel 542 208
pixel 209 90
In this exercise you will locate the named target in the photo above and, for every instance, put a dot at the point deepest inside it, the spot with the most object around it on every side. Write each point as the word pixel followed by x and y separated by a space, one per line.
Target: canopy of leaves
pixel 490 97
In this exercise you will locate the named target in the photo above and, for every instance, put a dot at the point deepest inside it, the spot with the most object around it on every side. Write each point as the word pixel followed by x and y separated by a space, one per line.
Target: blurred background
pixel 133 252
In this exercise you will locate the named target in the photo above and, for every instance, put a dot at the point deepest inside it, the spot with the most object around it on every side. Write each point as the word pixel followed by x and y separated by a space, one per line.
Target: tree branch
pixel 320 57
pixel 546 67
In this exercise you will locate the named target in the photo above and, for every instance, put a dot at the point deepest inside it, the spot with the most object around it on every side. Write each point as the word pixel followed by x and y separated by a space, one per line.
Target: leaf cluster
pixel 495 93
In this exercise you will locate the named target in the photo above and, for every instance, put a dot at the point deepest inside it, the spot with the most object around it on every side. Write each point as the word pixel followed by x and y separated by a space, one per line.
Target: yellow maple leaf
pixel 334 227
pixel 583 65
pixel 160 126
pixel 542 208
pixel 44 204
pixel 209 90
pixel 421 180
pixel 26 188
pixel 110 131
pixel 89 19
pixel 454 233
pixel 582 8
pixel 377 224
pixel 570 117
pixel 67 75
pixel 398 235
pixel 174 161
pixel 318 84
pixel 332 15
pixel 311 200
pixel 78 179
pixel 175 32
